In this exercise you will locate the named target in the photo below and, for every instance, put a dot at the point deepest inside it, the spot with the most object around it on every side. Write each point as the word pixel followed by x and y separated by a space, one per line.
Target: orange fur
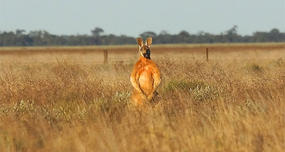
pixel 145 77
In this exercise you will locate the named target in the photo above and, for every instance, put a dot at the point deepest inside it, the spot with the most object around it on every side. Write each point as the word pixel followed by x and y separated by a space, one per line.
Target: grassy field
pixel 64 99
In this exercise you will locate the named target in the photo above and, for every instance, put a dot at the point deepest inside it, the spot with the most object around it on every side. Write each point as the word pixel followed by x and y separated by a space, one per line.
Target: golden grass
pixel 62 101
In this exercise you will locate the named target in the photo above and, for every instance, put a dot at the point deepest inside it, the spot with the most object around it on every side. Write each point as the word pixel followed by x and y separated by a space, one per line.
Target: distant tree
pixel 163 32
pixel 144 35
pixel 260 37
pixel 200 33
pixel 274 31
pixel 97 32
pixel 20 32
pixel 163 37
pixel 274 35
pixel 232 35
pixel 184 34
pixel 183 37
pixel 233 30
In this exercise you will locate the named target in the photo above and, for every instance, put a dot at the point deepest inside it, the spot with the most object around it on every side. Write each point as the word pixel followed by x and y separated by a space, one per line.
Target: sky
pixel 132 17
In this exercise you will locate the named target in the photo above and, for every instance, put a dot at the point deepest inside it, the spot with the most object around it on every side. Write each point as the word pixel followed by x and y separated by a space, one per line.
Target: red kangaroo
pixel 145 77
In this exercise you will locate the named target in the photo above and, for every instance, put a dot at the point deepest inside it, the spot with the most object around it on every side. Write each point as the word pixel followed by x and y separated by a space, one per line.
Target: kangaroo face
pixel 144 48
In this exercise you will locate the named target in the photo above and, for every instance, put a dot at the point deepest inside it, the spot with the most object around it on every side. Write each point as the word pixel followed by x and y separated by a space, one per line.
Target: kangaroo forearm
pixel 136 85
pixel 156 84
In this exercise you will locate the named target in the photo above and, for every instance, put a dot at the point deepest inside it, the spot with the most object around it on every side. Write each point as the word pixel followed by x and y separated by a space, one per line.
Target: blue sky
pixel 132 17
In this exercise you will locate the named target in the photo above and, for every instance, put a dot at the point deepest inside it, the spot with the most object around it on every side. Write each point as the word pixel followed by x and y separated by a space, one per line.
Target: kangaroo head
pixel 144 48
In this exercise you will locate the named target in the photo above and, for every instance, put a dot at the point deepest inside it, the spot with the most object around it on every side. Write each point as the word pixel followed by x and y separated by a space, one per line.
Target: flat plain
pixel 65 99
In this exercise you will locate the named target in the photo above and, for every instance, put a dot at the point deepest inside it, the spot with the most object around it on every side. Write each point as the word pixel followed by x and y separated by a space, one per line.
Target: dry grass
pixel 68 101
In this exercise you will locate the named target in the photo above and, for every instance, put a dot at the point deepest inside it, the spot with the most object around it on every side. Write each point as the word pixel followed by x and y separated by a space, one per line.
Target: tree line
pixel 97 37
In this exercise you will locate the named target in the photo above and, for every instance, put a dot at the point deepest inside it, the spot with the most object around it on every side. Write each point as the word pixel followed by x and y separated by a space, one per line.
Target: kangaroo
pixel 145 77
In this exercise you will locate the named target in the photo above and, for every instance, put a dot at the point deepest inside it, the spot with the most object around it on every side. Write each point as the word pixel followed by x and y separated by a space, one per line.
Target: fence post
pixel 105 56
pixel 207 54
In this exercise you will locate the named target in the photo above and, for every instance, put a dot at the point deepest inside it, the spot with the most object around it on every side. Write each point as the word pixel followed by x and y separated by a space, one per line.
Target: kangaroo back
pixel 145 77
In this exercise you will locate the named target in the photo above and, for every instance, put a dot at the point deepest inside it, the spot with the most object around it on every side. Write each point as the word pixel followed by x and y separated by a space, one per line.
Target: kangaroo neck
pixel 143 59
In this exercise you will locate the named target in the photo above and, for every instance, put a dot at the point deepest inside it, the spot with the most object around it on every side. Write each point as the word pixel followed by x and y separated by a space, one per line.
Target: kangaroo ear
pixel 140 41
pixel 149 41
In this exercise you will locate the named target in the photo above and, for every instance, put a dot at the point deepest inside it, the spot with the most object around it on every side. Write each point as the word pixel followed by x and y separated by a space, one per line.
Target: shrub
pixel 197 89
pixel 255 68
